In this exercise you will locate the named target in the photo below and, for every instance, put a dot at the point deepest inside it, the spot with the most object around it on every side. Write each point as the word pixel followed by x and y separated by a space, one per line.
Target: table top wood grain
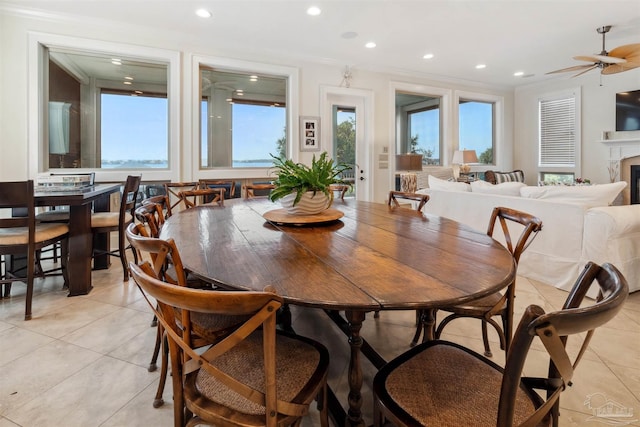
pixel 373 258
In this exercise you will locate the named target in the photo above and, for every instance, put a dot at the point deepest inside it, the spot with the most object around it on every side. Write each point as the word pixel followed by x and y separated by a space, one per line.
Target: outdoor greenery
pixel 346 142
pixel 300 178
pixel 486 156
pixel 427 154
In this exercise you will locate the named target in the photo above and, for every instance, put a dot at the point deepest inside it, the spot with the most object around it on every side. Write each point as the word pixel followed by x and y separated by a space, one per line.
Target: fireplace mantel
pixel 622 145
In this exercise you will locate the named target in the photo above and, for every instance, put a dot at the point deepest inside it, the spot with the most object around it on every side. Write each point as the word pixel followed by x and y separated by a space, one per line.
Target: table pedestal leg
pixel 429 324
pixel 80 239
pixel 354 414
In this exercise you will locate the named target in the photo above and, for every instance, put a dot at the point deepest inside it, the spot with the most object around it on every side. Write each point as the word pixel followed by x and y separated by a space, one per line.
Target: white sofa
pixel 572 233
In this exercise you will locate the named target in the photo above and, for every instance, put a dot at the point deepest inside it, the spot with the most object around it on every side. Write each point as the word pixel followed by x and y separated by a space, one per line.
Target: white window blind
pixel 558 132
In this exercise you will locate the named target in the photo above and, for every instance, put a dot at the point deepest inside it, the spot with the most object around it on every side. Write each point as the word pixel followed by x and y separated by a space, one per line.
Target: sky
pixel 136 128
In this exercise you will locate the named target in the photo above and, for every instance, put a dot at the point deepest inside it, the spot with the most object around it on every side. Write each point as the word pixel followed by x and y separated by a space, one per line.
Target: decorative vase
pixel 309 204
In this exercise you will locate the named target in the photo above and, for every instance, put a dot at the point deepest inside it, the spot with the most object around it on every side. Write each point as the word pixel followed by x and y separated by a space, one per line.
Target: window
pixel 558 134
pixel 124 105
pixel 476 122
pixel 103 107
pixel 554 178
pixel 133 130
pixel 344 120
pixel 244 119
pixel 419 124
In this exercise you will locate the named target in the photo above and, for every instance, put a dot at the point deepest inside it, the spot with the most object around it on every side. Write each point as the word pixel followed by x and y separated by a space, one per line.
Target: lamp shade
pixel 59 127
pixel 464 156
pixel 409 162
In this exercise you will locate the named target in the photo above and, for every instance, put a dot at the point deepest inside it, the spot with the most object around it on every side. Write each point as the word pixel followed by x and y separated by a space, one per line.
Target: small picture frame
pixel 309 133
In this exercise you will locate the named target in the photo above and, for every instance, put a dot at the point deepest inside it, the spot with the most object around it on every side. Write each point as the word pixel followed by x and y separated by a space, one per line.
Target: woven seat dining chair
pixel 162 201
pixel 107 222
pixel 257 189
pixel 172 192
pixel 257 376
pixel 511 222
pixel 439 383
pixel 202 196
pixel 229 186
pixel 167 266
pixel 22 236
pixel 421 199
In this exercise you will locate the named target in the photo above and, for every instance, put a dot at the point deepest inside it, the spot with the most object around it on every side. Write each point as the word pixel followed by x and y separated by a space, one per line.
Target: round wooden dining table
pixel 372 258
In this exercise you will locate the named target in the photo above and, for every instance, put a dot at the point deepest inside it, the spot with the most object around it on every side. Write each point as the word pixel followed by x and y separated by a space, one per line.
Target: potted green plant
pixel 304 189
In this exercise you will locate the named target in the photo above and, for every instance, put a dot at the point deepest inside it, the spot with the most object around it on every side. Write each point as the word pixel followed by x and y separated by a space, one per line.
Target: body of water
pixel 163 164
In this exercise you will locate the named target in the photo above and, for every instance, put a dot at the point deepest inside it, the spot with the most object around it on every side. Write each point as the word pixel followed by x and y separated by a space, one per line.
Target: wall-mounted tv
pixel 628 110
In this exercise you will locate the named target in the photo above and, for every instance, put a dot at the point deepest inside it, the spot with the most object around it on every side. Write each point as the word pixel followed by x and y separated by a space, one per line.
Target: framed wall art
pixel 309 133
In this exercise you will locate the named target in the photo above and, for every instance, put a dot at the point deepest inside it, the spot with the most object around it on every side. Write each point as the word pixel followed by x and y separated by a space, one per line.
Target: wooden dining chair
pixel 202 196
pixel 440 383
pixel 511 222
pixel 107 222
pixel 151 216
pixel 172 192
pixel 167 266
pixel 21 235
pixel 257 189
pixel 162 201
pixel 255 376
pixel 341 189
pixel 420 199
pixel 229 185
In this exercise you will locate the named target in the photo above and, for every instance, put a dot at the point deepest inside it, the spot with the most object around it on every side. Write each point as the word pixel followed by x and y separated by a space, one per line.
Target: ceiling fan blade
pixel 619 68
pixel 587 70
pixel 630 52
pixel 601 58
pixel 574 68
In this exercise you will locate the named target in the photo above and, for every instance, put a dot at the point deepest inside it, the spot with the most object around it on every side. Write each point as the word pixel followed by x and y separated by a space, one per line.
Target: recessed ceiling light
pixel 116 61
pixel 370 45
pixel 139 92
pixel 428 56
pixel 314 11
pixel 128 78
pixel 481 66
pixel 127 83
pixel 203 13
pixel 518 74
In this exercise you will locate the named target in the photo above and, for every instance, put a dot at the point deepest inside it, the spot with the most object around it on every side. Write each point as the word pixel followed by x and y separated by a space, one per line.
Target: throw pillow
pixel 587 195
pixel 441 184
pixel 505 188
pixel 437 171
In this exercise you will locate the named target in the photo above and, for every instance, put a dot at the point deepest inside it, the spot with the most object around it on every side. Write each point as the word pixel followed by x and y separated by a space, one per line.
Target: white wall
pixel 598 97
pixel 14 90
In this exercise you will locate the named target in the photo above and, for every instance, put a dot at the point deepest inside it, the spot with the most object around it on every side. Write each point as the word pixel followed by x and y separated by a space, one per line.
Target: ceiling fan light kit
pixel 622 58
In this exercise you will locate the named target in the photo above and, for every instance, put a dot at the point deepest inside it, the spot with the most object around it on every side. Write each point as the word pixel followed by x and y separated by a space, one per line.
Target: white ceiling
pixel 532 36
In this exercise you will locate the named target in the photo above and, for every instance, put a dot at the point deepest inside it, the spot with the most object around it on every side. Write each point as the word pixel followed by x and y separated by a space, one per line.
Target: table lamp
pixel 462 157
pixel 408 163
pixel 59 129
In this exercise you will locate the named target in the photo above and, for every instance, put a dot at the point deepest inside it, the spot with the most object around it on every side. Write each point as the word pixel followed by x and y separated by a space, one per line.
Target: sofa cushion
pixel 588 196
pixel 441 184
pixel 496 177
pixel 437 171
pixel 505 188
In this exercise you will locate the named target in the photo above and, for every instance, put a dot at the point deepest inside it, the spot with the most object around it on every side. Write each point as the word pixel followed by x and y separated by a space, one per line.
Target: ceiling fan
pixel 622 58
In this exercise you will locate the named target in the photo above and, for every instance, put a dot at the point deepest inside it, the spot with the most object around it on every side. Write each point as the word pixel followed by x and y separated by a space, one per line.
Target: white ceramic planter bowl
pixel 309 204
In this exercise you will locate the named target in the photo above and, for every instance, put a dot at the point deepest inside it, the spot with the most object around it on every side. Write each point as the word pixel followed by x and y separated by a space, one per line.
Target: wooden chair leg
pixel 156 350
pixel 485 340
pixel 164 369
pixel 123 256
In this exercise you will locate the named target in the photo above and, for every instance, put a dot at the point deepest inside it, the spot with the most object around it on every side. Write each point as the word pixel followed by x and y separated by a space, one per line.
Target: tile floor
pixel 83 361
